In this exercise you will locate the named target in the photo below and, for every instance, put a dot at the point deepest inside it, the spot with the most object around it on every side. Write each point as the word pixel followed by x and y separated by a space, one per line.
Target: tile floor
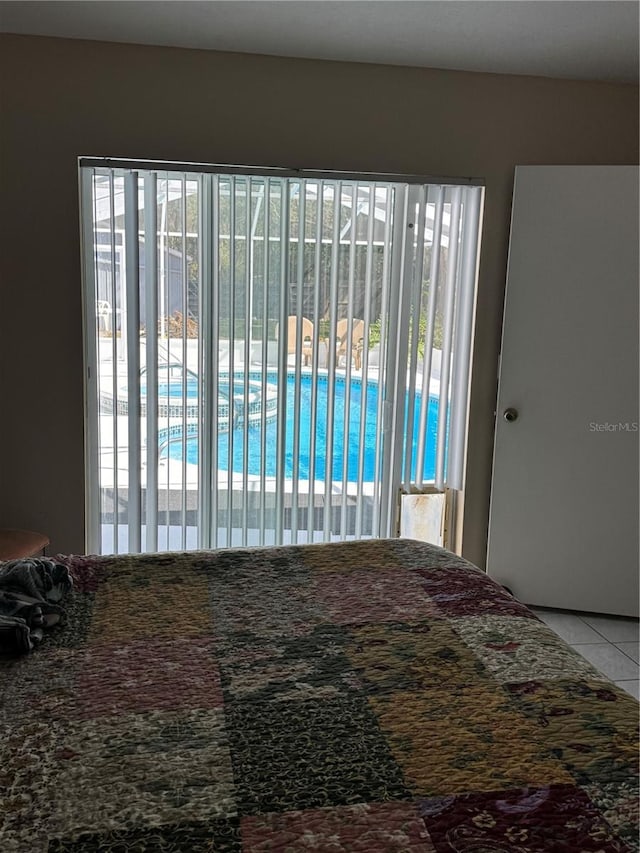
pixel 610 643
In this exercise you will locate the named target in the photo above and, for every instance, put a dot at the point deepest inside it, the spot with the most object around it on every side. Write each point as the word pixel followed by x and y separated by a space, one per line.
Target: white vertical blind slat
pixel 379 494
pixel 208 368
pixel 248 314
pixel 165 259
pixel 348 347
pixel 229 385
pixel 88 236
pixel 215 364
pixel 265 357
pixel 331 379
pixel 434 271
pixel 364 392
pixel 447 336
pixel 184 388
pixel 114 365
pixel 282 363
pixel 132 333
pixel 313 415
pixel 419 216
pixel 299 356
pixel 151 358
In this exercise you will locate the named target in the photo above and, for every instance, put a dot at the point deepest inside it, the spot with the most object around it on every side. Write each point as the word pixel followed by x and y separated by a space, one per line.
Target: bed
pixel 372 696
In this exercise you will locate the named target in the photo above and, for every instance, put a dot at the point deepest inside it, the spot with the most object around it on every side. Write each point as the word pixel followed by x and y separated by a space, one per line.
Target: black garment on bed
pixel 30 594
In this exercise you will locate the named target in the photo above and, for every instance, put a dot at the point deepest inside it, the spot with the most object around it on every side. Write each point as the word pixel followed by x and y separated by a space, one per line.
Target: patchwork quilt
pixel 373 696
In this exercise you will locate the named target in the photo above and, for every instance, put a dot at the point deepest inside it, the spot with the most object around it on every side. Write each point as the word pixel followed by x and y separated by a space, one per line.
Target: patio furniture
pixel 342 340
pixel 307 338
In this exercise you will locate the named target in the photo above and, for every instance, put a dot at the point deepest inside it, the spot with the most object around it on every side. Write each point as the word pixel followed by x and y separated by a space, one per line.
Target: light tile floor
pixel 610 643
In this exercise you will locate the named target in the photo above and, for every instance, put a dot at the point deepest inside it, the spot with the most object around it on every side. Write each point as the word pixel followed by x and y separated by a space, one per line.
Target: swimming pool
pixel 341 444
pixel 174 381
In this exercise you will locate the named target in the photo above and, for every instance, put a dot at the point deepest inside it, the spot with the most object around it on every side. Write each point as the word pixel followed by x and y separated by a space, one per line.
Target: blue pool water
pixel 343 443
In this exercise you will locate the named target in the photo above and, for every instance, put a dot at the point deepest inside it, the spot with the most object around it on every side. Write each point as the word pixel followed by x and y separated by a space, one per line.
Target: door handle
pixel 510 415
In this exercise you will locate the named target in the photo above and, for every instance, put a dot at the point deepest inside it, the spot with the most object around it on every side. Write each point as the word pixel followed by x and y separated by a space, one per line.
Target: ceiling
pixel 579 39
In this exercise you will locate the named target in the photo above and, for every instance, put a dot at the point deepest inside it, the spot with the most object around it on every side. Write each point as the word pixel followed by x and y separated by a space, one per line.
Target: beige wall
pixel 62 99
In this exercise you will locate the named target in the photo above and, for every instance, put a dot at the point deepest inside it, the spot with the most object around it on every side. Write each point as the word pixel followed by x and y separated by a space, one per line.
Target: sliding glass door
pixel 270 358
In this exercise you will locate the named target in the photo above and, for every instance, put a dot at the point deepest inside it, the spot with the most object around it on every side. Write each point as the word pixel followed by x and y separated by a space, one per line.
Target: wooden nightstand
pixel 15 544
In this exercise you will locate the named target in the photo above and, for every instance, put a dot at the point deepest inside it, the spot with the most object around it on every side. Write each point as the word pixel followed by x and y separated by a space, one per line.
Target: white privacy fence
pixel 270 358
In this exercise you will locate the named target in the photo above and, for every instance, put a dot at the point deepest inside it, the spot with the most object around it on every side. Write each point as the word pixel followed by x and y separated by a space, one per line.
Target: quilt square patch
pixel 27 761
pixel 261 567
pixel 266 614
pixel 125 612
pixel 43 686
pixel 553 819
pixel 12 670
pixel 88 573
pixel 274 602
pixel 216 836
pixel 117 773
pixel 364 828
pixel 619 804
pixel 385 595
pixel 451 741
pixel 141 571
pixel 346 557
pixel 287 668
pixel 417 555
pixel 389 657
pixel 459 592
pixel 585 725
pixel 148 675
pixel 515 649
pixel 300 755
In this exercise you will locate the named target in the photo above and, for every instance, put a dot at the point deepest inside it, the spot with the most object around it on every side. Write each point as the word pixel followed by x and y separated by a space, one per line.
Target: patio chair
pixel 307 338
pixel 342 340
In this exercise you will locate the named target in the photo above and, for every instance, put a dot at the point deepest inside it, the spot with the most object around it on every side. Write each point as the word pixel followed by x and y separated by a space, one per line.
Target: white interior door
pixel 563 528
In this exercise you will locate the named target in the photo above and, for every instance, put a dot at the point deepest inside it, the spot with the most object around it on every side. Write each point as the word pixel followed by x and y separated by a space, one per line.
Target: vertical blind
pixel 269 358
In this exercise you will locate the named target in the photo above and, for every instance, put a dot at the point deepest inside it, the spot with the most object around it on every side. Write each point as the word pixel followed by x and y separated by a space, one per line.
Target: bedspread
pixel 369 696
